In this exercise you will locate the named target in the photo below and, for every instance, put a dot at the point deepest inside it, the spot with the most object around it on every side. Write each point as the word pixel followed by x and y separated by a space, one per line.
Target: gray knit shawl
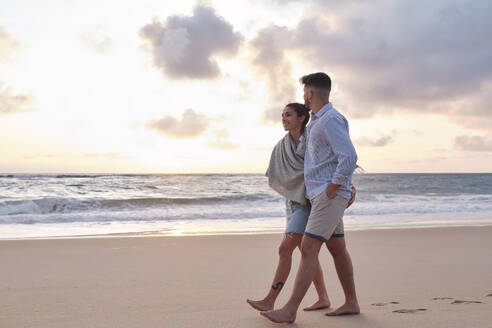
pixel 286 170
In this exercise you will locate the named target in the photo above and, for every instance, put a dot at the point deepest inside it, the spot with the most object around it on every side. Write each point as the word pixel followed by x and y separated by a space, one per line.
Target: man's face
pixel 307 96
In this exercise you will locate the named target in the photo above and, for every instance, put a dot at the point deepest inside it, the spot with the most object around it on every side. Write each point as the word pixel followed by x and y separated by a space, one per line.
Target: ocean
pixel 57 205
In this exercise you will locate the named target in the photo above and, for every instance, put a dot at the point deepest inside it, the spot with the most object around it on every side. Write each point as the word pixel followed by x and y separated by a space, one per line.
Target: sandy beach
pixel 203 281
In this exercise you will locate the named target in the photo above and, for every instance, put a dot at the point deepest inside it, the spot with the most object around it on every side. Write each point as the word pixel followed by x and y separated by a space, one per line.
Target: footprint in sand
pixel 441 298
pixel 383 304
pixel 409 310
pixel 465 302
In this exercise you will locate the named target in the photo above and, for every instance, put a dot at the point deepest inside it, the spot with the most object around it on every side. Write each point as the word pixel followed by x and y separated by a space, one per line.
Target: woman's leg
pixel 289 243
pixel 323 301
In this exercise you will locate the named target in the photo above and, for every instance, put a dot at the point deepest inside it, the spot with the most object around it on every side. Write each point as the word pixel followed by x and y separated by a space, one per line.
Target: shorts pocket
pixel 340 201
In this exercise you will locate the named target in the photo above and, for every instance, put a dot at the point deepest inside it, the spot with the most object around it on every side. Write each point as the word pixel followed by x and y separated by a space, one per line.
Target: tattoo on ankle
pixel 278 286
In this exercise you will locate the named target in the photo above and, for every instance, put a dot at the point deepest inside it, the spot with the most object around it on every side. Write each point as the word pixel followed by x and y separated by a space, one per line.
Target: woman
pixel 286 176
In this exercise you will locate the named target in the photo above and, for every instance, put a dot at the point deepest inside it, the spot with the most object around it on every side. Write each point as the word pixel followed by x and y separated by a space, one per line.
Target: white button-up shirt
pixel 330 155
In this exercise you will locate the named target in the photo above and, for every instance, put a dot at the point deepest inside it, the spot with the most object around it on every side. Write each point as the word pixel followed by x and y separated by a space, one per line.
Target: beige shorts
pixel 326 218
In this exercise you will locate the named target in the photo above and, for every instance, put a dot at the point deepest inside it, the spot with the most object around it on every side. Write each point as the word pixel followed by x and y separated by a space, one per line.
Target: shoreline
pixel 273 231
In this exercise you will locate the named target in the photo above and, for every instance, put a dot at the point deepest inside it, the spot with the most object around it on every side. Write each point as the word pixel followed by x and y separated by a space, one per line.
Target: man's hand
pixel 352 197
pixel 331 191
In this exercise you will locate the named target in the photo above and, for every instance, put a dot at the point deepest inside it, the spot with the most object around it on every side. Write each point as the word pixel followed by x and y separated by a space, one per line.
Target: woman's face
pixel 290 120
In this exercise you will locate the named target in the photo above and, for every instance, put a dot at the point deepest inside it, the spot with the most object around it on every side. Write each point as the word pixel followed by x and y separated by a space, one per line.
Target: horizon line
pixel 208 173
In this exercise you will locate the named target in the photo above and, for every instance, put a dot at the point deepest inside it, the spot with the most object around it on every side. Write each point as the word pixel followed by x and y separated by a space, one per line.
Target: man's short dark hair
pixel 317 80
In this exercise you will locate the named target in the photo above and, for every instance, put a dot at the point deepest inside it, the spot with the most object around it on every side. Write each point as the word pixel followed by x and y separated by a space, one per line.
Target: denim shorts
pixel 297 216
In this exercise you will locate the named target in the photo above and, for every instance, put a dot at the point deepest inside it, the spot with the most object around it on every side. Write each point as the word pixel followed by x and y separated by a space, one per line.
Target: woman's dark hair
pixel 301 110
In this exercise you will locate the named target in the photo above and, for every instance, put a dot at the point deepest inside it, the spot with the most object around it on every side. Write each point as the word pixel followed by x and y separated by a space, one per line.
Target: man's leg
pixel 310 248
pixel 345 272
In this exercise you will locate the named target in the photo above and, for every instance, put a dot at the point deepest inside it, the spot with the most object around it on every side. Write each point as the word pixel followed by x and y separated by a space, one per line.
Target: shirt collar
pixel 322 111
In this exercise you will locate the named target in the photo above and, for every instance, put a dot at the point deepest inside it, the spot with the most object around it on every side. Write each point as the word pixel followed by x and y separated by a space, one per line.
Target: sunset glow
pixel 198 87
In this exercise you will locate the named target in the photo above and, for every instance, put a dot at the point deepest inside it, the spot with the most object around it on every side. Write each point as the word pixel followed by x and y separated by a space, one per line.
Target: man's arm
pixel 337 133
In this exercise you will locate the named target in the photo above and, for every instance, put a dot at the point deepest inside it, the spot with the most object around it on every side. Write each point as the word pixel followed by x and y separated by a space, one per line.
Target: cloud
pixel 430 41
pixel 395 55
pixel 473 143
pixel 191 125
pixel 8 45
pixel 270 60
pixel 370 142
pixel 187 46
pixel 221 141
pixel 392 56
pixel 13 103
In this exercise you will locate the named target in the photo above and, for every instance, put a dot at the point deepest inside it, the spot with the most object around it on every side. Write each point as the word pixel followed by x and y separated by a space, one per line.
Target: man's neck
pixel 317 107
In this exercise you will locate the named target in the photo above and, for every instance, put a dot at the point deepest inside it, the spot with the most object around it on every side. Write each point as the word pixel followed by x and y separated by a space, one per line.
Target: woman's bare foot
pixel 279 316
pixel 320 304
pixel 262 305
pixel 346 309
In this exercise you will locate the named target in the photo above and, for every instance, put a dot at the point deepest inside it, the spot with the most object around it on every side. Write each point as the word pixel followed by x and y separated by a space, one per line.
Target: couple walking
pixel 312 168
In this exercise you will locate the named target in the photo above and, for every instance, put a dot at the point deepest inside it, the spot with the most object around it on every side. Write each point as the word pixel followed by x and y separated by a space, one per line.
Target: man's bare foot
pixel 320 304
pixel 346 309
pixel 279 316
pixel 262 305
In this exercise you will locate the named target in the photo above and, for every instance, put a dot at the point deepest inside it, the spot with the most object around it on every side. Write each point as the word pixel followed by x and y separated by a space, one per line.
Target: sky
pixel 198 86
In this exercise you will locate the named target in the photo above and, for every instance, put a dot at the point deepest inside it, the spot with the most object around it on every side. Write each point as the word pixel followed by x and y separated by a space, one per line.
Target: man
pixel 329 163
